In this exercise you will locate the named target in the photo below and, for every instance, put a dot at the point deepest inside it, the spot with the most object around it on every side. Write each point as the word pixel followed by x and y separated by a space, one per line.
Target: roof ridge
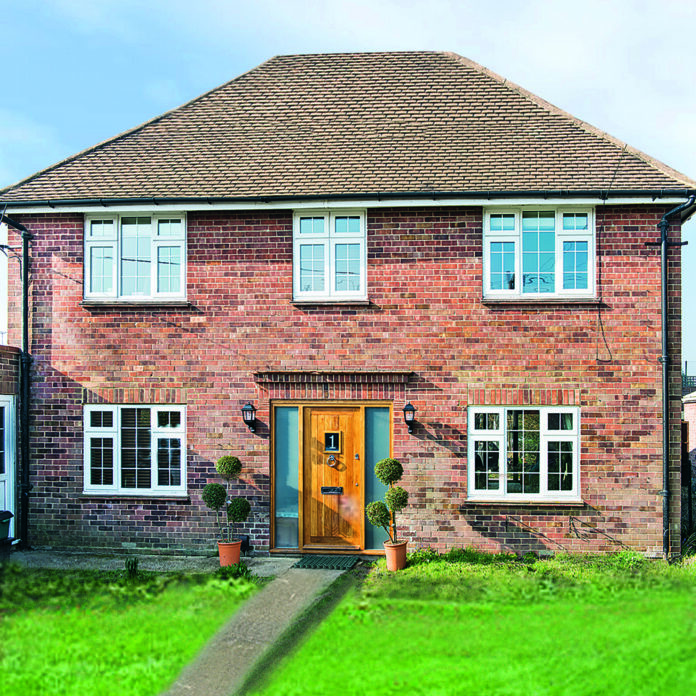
pixel 130 131
pixel 584 125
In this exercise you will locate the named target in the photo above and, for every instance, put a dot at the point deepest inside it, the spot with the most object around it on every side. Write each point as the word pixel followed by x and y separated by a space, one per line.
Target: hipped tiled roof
pixel 354 124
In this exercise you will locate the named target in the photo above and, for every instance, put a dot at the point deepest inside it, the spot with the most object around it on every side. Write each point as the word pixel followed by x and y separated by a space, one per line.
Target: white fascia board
pixel 333 204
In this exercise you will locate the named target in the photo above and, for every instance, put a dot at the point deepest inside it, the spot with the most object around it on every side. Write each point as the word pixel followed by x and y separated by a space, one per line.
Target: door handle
pixel 332 462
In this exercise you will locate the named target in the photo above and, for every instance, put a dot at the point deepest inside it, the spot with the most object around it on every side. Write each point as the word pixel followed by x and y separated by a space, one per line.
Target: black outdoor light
pixel 249 416
pixel 409 416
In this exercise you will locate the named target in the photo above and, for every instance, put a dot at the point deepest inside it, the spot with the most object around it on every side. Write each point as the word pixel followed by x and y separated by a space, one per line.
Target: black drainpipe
pixel 664 359
pixel 24 389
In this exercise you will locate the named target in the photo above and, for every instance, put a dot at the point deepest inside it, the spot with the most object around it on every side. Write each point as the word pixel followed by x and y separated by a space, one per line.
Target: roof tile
pixel 354 123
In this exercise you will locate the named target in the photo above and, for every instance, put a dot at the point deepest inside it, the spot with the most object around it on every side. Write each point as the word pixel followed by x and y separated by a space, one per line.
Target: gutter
pixel 601 194
pixel 685 210
pixel 24 389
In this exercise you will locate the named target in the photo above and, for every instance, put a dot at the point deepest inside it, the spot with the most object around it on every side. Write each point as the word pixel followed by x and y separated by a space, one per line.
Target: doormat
pixel 327 562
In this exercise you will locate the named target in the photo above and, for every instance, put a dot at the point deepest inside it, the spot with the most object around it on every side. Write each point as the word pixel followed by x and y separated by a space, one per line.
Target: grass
pixel 470 623
pixel 97 632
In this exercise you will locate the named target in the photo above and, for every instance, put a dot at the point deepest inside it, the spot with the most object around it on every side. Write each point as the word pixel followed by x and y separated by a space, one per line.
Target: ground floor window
pixel 135 449
pixel 524 453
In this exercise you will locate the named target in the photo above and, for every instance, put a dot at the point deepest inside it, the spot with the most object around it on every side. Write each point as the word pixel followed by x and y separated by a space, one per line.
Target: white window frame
pixel 546 435
pixel 329 239
pixel 114 242
pixel 561 236
pixel 114 432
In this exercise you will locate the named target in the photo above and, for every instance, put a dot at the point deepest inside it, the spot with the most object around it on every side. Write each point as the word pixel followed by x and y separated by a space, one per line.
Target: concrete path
pixel 263 566
pixel 229 658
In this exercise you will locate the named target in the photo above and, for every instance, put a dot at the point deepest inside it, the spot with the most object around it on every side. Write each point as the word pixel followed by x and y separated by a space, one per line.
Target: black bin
pixel 5 517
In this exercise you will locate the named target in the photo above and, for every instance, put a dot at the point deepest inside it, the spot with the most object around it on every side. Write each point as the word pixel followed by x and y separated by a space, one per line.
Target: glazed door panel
pixel 333 454
pixel 7 462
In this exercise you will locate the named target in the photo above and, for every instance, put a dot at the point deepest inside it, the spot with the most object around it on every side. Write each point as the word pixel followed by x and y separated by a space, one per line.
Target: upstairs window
pixel 137 450
pixel 329 256
pixel 135 257
pixel 539 253
pixel 524 453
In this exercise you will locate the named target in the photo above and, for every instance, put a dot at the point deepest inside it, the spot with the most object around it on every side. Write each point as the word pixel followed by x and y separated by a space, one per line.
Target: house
pixel 329 238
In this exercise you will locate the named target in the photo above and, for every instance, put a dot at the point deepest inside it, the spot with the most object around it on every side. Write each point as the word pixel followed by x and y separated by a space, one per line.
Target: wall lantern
pixel 409 416
pixel 249 416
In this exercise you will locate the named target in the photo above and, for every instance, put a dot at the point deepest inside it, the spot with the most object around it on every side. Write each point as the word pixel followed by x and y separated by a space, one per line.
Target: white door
pixel 7 457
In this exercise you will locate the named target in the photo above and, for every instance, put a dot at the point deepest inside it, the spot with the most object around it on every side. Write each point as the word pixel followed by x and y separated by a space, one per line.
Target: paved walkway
pixel 255 636
pixel 229 659
pixel 263 566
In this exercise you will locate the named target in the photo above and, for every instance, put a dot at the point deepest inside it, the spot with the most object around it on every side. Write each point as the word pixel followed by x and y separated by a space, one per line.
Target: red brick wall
pixel 426 316
pixel 9 370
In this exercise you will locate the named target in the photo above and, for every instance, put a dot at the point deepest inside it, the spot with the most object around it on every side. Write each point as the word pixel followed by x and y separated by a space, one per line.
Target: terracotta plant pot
pixel 229 551
pixel 396 555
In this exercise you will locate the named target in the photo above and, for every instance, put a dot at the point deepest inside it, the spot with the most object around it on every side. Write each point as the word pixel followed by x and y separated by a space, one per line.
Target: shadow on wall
pixel 515 535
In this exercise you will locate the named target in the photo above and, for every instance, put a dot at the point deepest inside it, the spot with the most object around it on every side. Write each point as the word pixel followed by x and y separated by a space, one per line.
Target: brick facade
pixel 426 319
pixel 9 370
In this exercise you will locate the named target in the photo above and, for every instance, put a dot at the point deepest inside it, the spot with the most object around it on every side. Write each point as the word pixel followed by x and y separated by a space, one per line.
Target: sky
pixel 76 72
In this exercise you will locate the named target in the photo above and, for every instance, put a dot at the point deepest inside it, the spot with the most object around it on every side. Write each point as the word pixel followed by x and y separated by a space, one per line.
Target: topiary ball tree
pixel 229 467
pixel 215 496
pixel 396 498
pixel 237 511
pixel 389 471
pixel 379 514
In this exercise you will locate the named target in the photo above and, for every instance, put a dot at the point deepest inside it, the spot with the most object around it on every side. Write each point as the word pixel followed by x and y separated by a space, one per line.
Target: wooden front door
pixel 332 496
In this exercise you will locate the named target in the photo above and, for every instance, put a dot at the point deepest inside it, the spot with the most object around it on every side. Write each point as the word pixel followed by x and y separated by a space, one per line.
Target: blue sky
pixel 77 72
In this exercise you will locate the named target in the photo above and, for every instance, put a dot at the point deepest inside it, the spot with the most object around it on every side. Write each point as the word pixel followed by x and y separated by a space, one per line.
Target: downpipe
pixel 665 361
pixel 24 389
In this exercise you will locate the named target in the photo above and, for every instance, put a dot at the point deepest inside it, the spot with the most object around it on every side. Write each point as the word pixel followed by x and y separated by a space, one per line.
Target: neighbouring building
pixel 329 238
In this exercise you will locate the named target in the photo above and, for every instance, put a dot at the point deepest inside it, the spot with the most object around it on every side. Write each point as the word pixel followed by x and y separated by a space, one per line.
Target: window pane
pixel 312 225
pixel 538 252
pixel 135 448
pixel 486 421
pixel 560 421
pixel 487 466
pixel 170 228
pixel 135 256
pixel 502 222
pixel 312 267
pixel 101 461
pixel 347 267
pixel 168 461
pixel 168 419
pixel 523 451
pixel 101 419
pixel 101 269
pixel 101 228
pixel 575 262
pixel 347 225
pixel 560 464
pixel 169 269
pixel 502 265
pixel 574 221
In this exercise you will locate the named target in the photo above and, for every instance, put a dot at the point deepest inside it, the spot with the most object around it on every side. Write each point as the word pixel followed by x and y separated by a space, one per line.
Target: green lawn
pixel 96 634
pixel 474 624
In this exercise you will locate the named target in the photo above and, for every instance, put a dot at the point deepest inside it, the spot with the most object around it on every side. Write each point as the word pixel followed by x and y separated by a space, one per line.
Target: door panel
pixel 333 455
pixel 7 456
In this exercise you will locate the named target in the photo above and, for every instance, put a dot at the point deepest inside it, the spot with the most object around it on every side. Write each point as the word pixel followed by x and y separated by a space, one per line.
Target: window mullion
pixel 154 261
